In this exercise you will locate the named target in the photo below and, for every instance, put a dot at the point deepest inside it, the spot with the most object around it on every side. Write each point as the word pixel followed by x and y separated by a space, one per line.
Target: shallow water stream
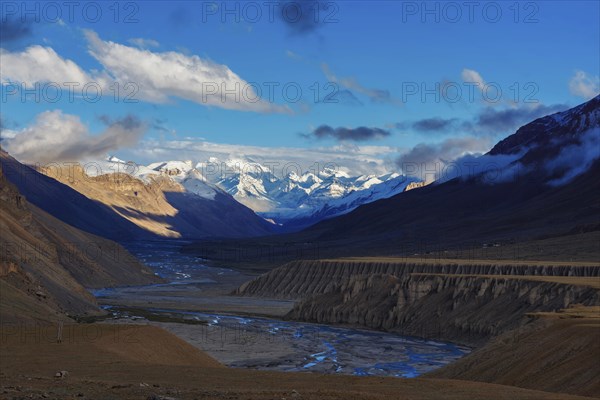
pixel 263 343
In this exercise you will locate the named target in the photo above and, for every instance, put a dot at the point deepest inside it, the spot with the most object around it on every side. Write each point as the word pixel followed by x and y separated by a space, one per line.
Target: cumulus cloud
pixel 38 64
pixel 361 133
pixel 156 77
pixel 584 85
pixel 160 76
pixel 144 43
pixel 5 132
pixel 55 136
pixel 375 95
pixel 487 90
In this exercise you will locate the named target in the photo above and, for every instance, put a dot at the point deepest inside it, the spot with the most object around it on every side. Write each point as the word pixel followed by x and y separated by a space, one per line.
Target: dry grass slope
pixel 560 352
pixel 111 361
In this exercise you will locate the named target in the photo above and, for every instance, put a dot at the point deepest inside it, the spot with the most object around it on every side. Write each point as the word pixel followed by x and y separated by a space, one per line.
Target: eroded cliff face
pixel 466 303
pixel 298 279
pixel 467 310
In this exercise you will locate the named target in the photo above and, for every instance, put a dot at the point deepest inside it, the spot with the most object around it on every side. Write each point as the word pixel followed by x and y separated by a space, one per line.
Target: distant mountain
pixel 296 201
pixel 555 189
pixel 548 134
pixel 557 147
pixel 551 189
pixel 124 202
pixel 291 202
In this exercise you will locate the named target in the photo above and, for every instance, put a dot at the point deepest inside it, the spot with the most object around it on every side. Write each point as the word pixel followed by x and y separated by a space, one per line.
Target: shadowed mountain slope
pixel 123 208
pixel 46 265
pixel 467 211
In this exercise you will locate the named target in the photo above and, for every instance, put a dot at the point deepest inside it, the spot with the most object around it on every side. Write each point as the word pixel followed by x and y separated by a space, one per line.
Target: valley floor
pixel 160 356
pixel 138 362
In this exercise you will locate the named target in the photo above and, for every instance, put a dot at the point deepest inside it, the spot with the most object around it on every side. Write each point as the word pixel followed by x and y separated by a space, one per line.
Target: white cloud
pixel 575 159
pixel 491 92
pixel 144 43
pixel 158 77
pixel 350 158
pixel 428 161
pixel 472 76
pixel 351 83
pixel 584 85
pixel 55 136
pixel 293 56
pixel 40 64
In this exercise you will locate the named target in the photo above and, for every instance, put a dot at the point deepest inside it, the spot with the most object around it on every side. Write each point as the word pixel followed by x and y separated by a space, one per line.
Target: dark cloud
pixel 488 122
pixel 14 30
pixel 304 16
pixel 105 119
pixel 492 121
pixel 426 160
pixel 433 124
pixel 160 125
pixel 354 134
pixel 128 122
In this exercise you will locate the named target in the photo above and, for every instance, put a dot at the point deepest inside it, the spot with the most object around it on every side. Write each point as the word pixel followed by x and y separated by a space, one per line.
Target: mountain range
pixel 540 182
pixel 543 184
pixel 507 188
pixel 293 200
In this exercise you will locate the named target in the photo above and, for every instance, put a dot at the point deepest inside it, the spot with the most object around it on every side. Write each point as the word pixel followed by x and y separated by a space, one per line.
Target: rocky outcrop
pixel 414 185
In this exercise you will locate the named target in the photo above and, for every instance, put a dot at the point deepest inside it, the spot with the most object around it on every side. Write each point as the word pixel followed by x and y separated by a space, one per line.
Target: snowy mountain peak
pixel 296 199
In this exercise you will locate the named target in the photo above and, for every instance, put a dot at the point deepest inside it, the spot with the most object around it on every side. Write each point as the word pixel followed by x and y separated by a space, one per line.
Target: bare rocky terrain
pixel 523 317
pixel 144 362
pixel 46 265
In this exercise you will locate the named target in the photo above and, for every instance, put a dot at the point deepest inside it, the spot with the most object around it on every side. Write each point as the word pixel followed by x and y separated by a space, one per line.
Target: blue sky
pixel 543 55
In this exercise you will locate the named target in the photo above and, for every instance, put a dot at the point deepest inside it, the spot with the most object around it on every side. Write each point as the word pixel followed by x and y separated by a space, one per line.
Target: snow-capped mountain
pixel 168 199
pixel 295 199
pixel 557 147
